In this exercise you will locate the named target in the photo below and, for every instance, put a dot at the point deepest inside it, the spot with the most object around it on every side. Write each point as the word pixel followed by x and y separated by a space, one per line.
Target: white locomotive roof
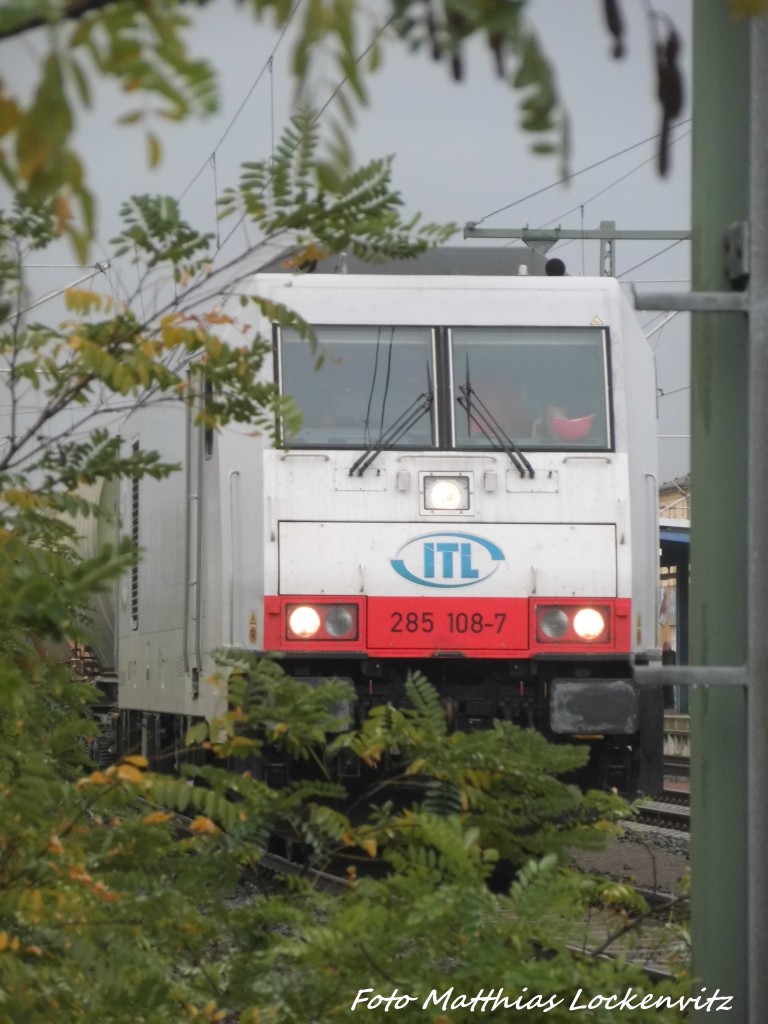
pixel 455 299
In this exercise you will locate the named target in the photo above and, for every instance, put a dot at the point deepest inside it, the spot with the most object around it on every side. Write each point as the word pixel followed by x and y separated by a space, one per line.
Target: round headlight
pixel 339 621
pixel 554 623
pixel 445 494
pixel 588 623
pixel 304 621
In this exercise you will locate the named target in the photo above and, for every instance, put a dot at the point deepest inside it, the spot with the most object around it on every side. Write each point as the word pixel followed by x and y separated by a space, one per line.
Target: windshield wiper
pixel 415 411
pixel 479 414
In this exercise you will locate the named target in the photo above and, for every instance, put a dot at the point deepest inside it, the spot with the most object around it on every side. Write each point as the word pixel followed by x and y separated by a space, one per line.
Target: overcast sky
pixel 459 153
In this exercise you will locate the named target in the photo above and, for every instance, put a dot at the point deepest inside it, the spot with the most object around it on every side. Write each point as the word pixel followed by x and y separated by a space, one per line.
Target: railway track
pixel 647 950
pixel 677 767
pixel 647 947
pixel 327 881
pixel 666 813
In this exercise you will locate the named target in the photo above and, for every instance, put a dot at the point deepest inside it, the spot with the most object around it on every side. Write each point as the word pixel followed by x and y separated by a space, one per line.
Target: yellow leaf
pixel 79 874
pixel 127 773
pixel 63 211
pixel 156 818
pixel 94 779
pixel 370 847
pixel 34 159
pixel 203 825
pixel 4 940
pixel 105 893
pixel 20 498
pixel 155 149
pixel 9 115
pixel 136 760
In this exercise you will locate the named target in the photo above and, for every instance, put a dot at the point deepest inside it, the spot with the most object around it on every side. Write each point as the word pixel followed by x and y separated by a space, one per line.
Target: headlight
pixel 573 624
pixel 554 623
pixel 322 621
pixel 588 623
pixel 446 493
pixel 339 621
pixel 304 621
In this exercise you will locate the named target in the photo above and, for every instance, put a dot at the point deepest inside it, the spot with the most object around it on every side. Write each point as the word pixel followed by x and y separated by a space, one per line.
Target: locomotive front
pixel 471 493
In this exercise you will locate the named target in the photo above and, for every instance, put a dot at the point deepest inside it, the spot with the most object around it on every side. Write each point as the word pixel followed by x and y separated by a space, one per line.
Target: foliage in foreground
pixel 109 350
pixel 144 49
pixel 107 914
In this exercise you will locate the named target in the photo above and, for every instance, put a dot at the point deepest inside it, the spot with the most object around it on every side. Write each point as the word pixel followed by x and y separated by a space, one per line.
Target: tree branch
pixel 72 11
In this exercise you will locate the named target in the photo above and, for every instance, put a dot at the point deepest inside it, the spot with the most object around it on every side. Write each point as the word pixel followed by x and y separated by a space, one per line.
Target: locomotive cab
pixel 471 493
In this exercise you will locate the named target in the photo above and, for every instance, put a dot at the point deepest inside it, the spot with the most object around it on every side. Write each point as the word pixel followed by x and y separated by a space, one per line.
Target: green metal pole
pixel 718 483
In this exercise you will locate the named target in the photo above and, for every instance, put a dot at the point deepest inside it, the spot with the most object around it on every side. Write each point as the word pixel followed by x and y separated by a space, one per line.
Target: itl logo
pixel 447 560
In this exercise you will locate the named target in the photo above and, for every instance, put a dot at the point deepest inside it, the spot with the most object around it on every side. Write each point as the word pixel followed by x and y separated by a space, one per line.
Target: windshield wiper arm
pixel 415 411
pixel 479 414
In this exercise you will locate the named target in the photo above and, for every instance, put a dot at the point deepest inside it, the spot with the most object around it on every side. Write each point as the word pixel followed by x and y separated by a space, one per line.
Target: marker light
pixel 304 621
pixel 446 493
pixel 339 621
pixel 322 621
pixel 573 624
pixel 554 623
pixel 588 623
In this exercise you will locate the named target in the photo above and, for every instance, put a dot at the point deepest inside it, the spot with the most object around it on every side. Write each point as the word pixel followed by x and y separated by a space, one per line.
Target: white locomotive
pixel 472 492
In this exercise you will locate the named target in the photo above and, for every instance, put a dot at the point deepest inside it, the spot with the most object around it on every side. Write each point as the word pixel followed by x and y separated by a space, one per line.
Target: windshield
pixel 368 377
pixel 545 387
pixel 497 387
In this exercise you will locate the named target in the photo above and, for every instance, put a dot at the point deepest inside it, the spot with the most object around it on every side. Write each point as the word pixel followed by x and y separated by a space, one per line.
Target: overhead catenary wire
pixel 379 31
pixel 655 255
pixel 613 184
pixel 267 67
pixel 580 208
pixel 575 174
pixel 322 110
pixel 99 268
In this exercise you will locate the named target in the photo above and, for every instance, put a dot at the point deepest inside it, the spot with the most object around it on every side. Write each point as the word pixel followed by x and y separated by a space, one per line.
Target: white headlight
pixel 588 623
pixel 304 621
pixel 446 493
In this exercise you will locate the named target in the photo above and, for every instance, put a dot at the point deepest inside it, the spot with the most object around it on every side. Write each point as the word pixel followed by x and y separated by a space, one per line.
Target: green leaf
pixel 196 734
